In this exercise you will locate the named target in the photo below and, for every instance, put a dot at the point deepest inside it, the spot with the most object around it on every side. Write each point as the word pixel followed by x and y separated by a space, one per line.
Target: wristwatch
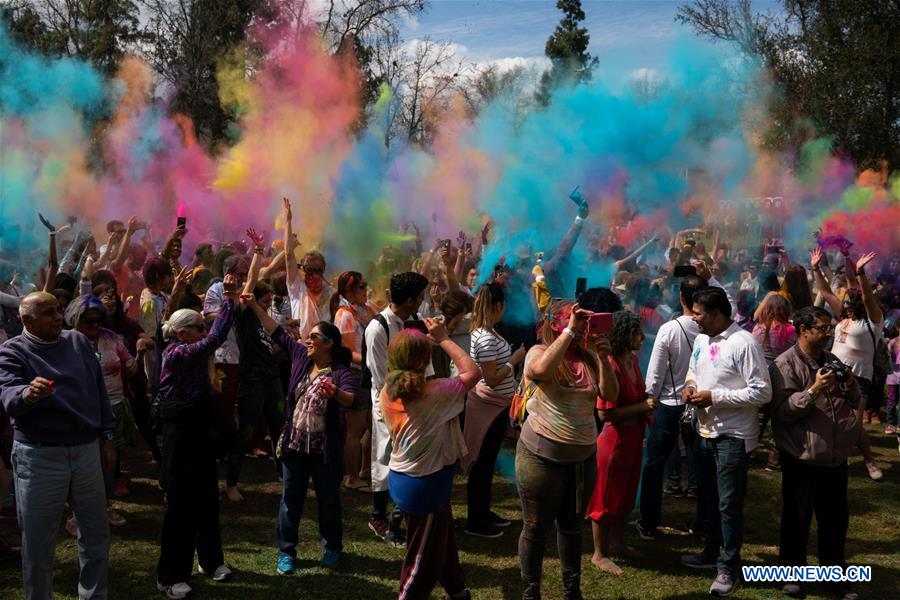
pixel 812 392
pixel 107 435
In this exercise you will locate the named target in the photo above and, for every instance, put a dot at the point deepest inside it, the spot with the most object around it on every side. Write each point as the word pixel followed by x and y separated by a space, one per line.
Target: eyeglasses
pixel 313 270
pixel 319 337
pixel 823 328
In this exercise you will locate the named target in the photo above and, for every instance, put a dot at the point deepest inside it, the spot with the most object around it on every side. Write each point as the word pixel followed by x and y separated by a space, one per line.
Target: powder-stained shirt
pixel 425 432
pixel 114 361
pixel 228 353
pixel 307 310
pixel 853 344
pixel 732 366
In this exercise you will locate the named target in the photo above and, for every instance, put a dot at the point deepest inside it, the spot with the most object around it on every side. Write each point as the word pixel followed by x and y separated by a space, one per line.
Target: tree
pixel 98 31
pixel 567 50
pixel 190 37
pixel 836 65
pixel 490 83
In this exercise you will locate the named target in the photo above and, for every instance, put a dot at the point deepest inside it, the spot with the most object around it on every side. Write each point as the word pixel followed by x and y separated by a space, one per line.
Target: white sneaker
pixel 222 573
pixel 874 472
pixel 175 592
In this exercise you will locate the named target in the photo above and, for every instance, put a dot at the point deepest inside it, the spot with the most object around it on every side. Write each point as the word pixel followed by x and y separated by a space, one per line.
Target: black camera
pixel 840 370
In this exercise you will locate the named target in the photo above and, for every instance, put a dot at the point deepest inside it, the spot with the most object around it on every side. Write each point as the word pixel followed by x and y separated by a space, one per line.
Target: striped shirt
pixel 488 346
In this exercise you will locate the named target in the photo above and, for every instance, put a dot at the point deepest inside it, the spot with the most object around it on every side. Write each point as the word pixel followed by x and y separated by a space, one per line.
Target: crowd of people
pixel 393 379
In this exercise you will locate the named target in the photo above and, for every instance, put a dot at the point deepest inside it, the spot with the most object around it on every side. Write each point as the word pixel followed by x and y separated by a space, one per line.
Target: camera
pixel 840 370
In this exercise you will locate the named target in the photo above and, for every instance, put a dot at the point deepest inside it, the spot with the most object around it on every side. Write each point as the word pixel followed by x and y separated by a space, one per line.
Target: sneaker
pixel 222 573
pixel 673 490
pixel 875 420
pixel 329 559
pixel 395 539
pixel 691 493
pixel 285 564
pixel 725 584
pixel 485 530
pixel 497 521
pixel 114 518
pixel 698 561
pixel 793 590
pixel 120 489
pixel 176 592
pixel 644 533
pixel 889 429
pixel 378 526
pixel 874 472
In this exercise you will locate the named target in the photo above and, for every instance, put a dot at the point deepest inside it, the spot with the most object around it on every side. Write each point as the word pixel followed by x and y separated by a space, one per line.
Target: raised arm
pixel 274 266
pixel 182 281
pixel 116 265
pixel 52 264
pixel 628 260
pixel 267 322
pixel 815 259
pixel 253 273
pixel 469 373
pixel 873 309
pixel 290 263
pixel 544 366
pixel 571 237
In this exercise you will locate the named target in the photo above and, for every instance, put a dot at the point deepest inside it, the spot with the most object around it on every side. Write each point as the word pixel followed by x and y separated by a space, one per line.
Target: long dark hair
pixel 348 280
pixel 339 354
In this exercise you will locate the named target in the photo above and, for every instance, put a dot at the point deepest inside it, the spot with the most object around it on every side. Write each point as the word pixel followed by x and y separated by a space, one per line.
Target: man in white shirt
pixel 407 292
pixel 666 371
pixel 727 381
pixel 308 290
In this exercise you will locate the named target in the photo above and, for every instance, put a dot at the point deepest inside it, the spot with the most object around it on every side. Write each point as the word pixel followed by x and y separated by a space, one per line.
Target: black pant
pixel 380 511
pixel 552 493
pixel 481 474
pixel 191 484
pixel 808 489
pixel 255 398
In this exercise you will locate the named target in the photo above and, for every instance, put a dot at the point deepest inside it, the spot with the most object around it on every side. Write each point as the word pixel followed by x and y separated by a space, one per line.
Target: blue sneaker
pixel 285 564
pixel 329 558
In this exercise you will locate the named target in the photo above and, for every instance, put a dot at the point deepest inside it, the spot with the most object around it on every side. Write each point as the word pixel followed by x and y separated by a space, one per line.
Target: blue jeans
pixel 662 439
pixel 297 468
pixel 723 463
pixel 45 479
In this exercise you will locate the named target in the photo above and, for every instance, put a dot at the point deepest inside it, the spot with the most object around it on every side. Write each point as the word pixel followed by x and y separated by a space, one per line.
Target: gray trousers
pixel 45 479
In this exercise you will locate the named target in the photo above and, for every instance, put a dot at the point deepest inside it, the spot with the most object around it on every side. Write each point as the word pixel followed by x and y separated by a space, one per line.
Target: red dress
pixel 619 452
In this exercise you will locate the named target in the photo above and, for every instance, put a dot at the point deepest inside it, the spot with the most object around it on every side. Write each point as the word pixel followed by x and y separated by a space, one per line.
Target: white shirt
pixel 672 346
pixel 671 350
pixel 853 345
pixel 732 366
pixel 304 309
pixel 228 353
pixel 377 356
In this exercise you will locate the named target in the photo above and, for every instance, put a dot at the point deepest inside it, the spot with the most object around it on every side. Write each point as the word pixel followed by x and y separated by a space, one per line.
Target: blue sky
pixel 626 35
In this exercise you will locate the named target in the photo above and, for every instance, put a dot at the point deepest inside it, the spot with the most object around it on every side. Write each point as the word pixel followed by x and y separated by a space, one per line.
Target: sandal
pixel 362 487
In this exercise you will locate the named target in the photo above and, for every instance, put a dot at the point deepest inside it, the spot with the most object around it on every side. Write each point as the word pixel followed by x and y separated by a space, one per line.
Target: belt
pixel 58 444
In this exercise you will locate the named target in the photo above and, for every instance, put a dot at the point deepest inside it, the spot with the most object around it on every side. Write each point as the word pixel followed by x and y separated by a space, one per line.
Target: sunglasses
pixel 313 270
pixel 823 328
pixel 91 321
pixel 319 337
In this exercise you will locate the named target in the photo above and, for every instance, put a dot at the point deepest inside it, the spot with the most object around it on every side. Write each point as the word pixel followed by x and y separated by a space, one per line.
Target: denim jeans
pixel 723 463
pixel 45 479
pixel 662 439
pixel 297 468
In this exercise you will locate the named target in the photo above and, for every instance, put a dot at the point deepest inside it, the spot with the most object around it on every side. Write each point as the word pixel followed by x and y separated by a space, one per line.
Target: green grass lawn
pixel 369 568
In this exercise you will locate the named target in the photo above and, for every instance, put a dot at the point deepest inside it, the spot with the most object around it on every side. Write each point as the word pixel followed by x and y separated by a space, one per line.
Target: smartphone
pixel 182 222
pixel 416 324
pixel 600 323
pixel 775 249
pixel 580 286
pixel 468 246
pixel 446 244
pixel 684 270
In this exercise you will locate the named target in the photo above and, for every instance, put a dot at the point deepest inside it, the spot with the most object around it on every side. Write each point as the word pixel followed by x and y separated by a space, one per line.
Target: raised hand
pixel 258 240
pixel 815 257
pixel 864 260
pixel 288 215
pixel 437 331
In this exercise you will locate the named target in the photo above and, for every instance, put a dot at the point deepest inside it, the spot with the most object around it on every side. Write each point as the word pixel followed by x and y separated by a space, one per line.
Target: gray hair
pixel 179 321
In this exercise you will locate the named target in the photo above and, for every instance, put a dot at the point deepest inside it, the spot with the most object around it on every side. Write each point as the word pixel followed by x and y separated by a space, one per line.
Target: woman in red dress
pixel 619 446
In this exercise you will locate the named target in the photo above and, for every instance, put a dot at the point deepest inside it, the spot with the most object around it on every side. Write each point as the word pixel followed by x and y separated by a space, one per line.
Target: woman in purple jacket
pixel 312 441
pixel 188 476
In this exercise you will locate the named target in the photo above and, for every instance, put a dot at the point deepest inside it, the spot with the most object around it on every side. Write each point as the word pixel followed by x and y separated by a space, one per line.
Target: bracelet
pixel 861 271
pixel 259 249
pixel 571 334
pixel 579 219
pixel 52 234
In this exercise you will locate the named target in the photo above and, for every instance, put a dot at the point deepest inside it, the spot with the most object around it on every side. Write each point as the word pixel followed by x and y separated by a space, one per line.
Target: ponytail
pixel 408 356
pixel 489 295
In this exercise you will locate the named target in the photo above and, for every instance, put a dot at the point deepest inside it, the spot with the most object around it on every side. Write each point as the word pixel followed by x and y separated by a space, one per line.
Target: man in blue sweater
pixel 52 387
